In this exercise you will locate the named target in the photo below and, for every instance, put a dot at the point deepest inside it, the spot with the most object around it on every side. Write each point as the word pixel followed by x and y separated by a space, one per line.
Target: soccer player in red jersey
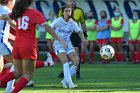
pixel 24 49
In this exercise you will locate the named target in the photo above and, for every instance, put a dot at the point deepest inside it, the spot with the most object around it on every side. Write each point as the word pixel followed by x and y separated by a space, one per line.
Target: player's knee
pixel 18 74
pixel 1 64
pixel 1 68
pixel 76 63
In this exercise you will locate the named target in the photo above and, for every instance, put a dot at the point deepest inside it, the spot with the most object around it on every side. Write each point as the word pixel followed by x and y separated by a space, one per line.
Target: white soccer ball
pixel 107 52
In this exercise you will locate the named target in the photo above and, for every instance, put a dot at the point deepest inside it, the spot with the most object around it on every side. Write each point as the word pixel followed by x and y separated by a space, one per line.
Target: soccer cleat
pixel 78 77
pixel 49 60
pixel 8 90
pixel 30 84
pixel 72 86
pixel 61 75
pixel 64 83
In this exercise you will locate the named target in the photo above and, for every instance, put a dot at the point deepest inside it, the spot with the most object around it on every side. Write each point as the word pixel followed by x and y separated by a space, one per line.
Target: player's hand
pixel 84 42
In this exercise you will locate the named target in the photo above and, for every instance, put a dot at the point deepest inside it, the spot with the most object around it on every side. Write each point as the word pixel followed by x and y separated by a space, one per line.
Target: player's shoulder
pixel 71 20
pixel 4 10
pixel 33 11
pixel 58 19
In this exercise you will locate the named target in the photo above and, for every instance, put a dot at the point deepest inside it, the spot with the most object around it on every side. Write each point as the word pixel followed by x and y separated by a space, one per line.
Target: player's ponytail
pixel 19 8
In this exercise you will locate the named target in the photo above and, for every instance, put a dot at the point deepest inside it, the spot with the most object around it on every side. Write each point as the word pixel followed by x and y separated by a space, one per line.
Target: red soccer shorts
pixel 116 40
pixel 102 41
pixel 134 42
pixel 24 53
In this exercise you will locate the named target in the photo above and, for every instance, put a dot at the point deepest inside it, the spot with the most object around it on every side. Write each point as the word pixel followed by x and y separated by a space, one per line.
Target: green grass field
pixel 96 78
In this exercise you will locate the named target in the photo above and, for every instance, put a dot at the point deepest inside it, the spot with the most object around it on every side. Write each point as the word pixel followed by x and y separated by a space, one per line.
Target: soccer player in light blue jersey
pixel 64 26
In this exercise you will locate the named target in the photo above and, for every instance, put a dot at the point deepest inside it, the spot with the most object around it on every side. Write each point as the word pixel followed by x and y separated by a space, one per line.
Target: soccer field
pixel 96 78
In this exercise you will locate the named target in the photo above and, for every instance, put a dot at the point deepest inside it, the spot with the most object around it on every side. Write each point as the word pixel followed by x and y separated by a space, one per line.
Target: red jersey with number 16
pixel 25 27
pixel 25 34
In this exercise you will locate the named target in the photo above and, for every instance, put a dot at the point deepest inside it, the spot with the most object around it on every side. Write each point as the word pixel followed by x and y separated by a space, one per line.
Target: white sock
pixel 10 84
pixel 66 72
pixel 73 69
pixel 12 69
pixel 46 64
pixel 70 62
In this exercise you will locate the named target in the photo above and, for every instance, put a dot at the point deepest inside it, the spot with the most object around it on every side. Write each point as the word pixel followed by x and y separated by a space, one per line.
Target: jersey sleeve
pixel 53 24
pixel 122 21
pixel 96 22
pixel 76 28
pixel 108 22
pixel 39 18
pixel 82 18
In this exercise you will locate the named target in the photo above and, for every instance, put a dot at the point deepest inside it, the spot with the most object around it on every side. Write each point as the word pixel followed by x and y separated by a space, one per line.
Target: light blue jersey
pixel 5 46
pixel 4 26
pixel 64 30
pixel 105 34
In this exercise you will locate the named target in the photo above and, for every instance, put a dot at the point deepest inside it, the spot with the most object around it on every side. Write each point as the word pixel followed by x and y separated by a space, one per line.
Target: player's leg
pixel 10 84
pixel 83 54
pixel 131 47
pixel 99 41
pixel 1 63
pixel 8 57
pixel 13 75
pixel 28 66
pixel 73 69
pixel 73 58
pixel 116 56
pixel 78 76
pixel 120 47
pixel 50 45
pixel 66 70
pixel 104 42
pixel 76 41
pixel 137 51
pixel 7 48
pixel 6 52
pixel 91 51
pixel 49 62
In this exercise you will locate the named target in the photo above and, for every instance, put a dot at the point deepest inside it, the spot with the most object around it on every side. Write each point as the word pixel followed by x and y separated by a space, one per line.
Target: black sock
pixel 78 71
pixel 61 75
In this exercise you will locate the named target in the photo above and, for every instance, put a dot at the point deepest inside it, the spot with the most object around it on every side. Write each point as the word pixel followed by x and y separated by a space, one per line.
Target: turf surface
pixel 96 78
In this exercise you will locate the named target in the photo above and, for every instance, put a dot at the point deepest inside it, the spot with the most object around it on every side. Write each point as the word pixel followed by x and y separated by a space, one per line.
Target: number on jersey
pixel 23 23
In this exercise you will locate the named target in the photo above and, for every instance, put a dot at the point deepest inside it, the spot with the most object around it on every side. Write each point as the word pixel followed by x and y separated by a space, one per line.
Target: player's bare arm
pixel 84 41
pixel 52 32
pixel 12 23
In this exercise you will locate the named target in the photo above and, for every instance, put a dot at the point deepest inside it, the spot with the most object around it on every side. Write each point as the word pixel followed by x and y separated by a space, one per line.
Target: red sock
pixel 133 56
pixel 122 57
pixel 54 56
pixel 116 56
pixel 137 57
pixel 20 84
pixel 91 55
pixel 83 57
pixel 39 64
pixel 7 77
